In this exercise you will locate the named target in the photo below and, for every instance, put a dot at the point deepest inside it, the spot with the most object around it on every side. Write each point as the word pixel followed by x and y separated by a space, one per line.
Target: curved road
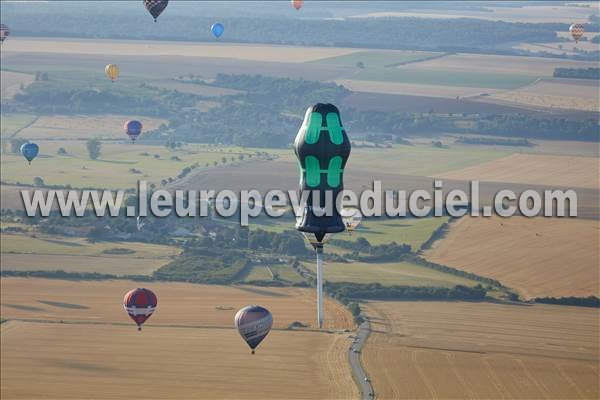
pixel 354 352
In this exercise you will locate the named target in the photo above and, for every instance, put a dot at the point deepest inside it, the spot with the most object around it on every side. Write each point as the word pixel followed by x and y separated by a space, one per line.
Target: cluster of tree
pixel 527 126
pixel 345 291
pixel 493 141
pixel 364 251
pixel 449 270
pixel 437 234
pixel 590 301
pixel 577 73
pixel 288 242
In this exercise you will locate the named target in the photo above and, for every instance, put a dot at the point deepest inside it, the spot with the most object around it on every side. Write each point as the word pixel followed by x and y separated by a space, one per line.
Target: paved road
pixel 359 374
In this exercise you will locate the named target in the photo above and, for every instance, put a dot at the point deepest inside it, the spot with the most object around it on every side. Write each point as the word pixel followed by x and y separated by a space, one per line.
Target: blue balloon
pixel 217 29
pixel 29 151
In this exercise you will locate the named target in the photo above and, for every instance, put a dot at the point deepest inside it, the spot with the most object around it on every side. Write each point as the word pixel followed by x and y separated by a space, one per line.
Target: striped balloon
pixel 577 31
pixel 140 303
pixel 4 33
pixel 253 323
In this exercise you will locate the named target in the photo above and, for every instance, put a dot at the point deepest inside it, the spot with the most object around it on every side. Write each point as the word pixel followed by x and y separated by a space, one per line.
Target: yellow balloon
pixel 112 71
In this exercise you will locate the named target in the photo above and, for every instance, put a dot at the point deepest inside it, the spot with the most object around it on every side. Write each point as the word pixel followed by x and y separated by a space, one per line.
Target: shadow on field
pixel 63 305
pixel 23 308
pixel 260 291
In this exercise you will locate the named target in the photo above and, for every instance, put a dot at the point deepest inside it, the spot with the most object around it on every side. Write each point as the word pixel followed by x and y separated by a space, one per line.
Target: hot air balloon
pixel 29 151
pixel 351 218
pixel 155 7
pixel 140 303
pixel 139 223
pixel 133 129
pixel 217 29
pixel 297 4
pixel 112 71
pixel 4 33
pixel 322 148
pixel 253 323
pixel 577 31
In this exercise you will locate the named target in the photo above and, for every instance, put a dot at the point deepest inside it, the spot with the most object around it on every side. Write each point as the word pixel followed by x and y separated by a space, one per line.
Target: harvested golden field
pixel 12 82
pixel 84 127
pixel 502 64
pixel 74 361
pixel 413 89
pixel 576 94
pixel 567 13
pixel 556 171
pixel 538 257
pixel 451 350
pixel 267 53
pixel 178 303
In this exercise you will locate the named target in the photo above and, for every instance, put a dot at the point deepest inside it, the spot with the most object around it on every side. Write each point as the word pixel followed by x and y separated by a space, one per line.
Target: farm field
pixel 206 305
pixel 378 59
pixel 250 52
pixel 113 362
pixel 421 350
pixel 120 165
pixel 268 272
pixel 548 256
pixel 84 127
pixel 12 123
pixel 492 64
pixel 21 252
pixel 12 83
pixel 388 274
pixel 567 13
pixel 413 74
pixel 408 160
pixel 577 94
pixel 559 171
pixel 442 91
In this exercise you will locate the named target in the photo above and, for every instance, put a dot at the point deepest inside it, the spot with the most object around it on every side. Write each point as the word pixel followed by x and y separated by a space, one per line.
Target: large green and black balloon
pixel 322 148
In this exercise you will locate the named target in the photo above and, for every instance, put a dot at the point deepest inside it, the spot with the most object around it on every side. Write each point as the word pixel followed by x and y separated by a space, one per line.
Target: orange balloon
pixel 297 4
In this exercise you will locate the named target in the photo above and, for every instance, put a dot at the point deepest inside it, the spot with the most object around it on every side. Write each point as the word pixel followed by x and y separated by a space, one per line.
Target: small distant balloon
pixel 577 31
pixel 217 29
pixel 4 33
pixel 155 7
pixel 133 129
pixel 351 218
pixel 253 323
pixel 297 4
pixel 112 71
pixel 29 151
pixel 140 303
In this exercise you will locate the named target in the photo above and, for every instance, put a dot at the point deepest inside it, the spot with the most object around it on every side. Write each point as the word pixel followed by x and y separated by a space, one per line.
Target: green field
pixel 378 59
pixel 282 271
pixel 443 77
pixel 421 159
pixel 114 168
pixel 63 245
pixel 23 252
pixel 400 273
pixel 411 231
pixel 11 123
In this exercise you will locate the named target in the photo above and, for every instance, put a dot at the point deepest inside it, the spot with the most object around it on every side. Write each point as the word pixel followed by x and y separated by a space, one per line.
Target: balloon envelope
pixel 297 4
pixel 112 71
pixel 217 29
pixel 133 129
pixel 253 323
pixel 29 151
pixel 577 31
pixel 4 33
pixel 140 303
pixel 155 7
pixel 351 218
